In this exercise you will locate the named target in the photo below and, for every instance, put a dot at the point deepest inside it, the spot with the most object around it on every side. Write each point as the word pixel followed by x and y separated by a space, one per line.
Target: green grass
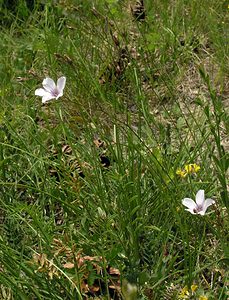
pixel 89 195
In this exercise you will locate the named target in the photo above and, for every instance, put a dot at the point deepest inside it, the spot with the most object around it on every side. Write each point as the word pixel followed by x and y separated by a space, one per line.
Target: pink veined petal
pixel 47 97
pixel 49 85
pixel 200 198
pixel 189 203
pixel 207 203
pixel 61 85
pixel 40 92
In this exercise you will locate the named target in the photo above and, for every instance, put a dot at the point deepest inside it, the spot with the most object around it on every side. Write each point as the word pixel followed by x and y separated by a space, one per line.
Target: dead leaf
pixel 69 265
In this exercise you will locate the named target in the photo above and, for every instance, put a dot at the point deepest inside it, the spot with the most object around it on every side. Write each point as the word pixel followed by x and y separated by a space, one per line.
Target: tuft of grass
pixel 90 196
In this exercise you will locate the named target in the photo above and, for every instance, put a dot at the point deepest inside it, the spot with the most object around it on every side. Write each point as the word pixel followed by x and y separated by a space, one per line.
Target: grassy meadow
pixel 92 184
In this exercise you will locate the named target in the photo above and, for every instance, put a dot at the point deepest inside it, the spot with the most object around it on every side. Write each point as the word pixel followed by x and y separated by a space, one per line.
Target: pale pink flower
pixel 200 206
pixel 51 90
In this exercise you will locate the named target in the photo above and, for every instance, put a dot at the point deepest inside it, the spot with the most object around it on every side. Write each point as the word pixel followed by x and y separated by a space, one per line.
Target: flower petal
pixel 200 198
pixel 201 212
pixel 207 203
pixel 61 85
pixel 189 203
pixel 47 97
pixel 40 92
pixel 59 95
pixel 49 85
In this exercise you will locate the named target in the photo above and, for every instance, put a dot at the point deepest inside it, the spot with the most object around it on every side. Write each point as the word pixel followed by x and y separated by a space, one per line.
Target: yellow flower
pixel 184 293
pixel 181 173
pixel 194 287
pixel 192 168
pixel 188 169
pixel 202 297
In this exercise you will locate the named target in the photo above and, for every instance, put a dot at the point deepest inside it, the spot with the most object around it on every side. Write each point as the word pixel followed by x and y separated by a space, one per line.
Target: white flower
pixel 50 89
pixel 200 206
